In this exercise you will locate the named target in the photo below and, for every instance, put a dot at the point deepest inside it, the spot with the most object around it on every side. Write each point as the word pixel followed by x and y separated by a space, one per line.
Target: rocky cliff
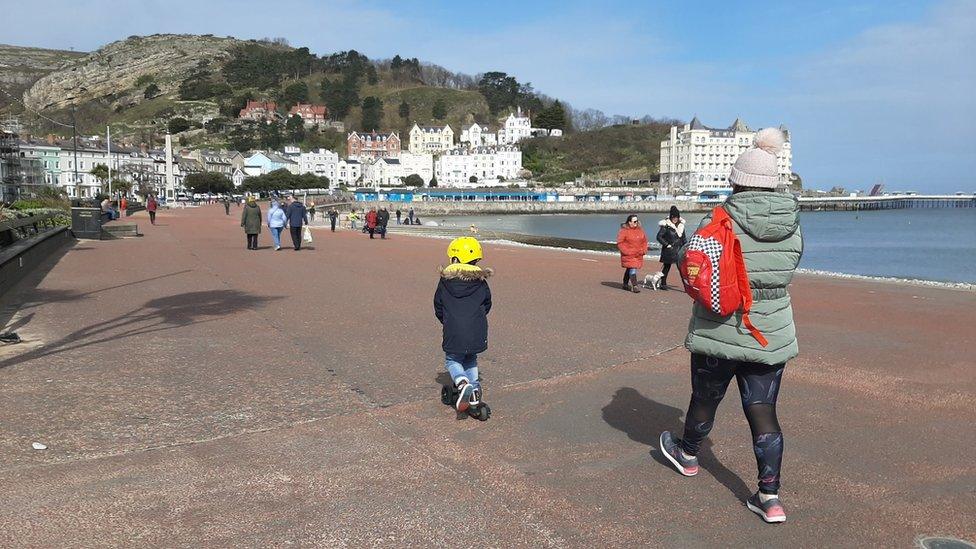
pixel 110 74
pixel 20 67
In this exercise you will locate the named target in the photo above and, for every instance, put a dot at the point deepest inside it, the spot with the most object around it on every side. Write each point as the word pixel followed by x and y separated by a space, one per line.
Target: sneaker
pixel 465 390
pixel 771 510
pixel 475 397
pixel 672 451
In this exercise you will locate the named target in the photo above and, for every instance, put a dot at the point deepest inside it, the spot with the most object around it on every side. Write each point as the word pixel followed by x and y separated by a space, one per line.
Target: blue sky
pixel 872 90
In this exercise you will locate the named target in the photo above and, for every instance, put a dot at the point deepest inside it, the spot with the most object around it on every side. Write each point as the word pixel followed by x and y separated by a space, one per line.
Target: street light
pixel 74 132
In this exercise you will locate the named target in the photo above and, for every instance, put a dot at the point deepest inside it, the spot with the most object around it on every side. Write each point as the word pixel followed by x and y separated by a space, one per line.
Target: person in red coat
pixel 371 221
pixel 632 243
pixel 151 206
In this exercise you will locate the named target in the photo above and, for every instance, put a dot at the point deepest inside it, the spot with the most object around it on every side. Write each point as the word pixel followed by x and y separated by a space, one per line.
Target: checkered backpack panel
pixel 714 273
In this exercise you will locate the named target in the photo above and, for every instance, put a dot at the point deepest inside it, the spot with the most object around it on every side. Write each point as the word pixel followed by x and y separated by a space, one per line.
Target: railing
pixel 19 228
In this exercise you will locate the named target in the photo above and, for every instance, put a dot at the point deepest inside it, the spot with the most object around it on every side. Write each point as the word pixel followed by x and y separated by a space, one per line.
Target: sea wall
pixel 449 208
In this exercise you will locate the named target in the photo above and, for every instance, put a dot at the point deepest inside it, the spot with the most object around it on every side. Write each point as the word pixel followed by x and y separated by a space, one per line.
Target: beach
pixel 192 392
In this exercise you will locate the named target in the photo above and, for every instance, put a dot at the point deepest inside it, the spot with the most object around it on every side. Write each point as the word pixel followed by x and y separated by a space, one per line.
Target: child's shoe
pixel 672 451
pixel 771 510
pixel 465 390
pixel 475 397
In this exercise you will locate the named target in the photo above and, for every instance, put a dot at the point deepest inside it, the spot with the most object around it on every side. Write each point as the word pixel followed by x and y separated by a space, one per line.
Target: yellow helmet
pixel 466 249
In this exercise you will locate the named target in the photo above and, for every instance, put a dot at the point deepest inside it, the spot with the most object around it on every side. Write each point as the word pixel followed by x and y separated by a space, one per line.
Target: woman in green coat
pixel 251 221
pixel 767 224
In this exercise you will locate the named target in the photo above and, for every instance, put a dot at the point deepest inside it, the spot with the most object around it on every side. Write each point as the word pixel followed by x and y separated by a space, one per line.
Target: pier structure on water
pixel 891 202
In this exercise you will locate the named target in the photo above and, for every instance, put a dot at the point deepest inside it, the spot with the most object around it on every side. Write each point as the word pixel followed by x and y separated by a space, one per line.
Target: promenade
pixel 193 393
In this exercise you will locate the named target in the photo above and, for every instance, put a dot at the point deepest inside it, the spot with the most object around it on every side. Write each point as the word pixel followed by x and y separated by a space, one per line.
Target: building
pixel 320 162
pixel 348 172
pixel 261 163
pixel 212 161
pixel 431 139
pixel 362 145
pixel 311 114
pixel 488 166
pixel 383 172
pixel 419 164
pixel 260 111
pixel 478 136
pixel 697 158
pixel 238 177
pixel 515 128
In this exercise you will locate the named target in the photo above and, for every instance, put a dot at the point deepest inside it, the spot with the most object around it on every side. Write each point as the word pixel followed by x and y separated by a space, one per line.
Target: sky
pixel 872 91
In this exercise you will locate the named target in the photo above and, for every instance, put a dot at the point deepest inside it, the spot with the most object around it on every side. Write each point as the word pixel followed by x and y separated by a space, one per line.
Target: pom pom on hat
pixel 770 140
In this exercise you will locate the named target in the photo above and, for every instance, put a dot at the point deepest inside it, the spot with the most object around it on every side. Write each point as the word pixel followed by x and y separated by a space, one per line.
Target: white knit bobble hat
pixel 757 166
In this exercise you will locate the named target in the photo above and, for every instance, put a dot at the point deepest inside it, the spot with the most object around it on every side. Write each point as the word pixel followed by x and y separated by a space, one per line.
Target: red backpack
pixel 714 272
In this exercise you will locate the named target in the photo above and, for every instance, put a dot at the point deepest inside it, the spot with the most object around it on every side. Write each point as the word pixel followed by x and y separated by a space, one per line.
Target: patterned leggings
pixel 759 387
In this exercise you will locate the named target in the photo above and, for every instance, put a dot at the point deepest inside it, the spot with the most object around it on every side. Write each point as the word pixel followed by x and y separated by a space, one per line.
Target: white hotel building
pixel 489 166
pixel 697 158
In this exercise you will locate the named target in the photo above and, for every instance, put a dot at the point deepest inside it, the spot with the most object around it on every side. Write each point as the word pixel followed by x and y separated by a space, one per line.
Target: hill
pixel 20 67
pixel 614 152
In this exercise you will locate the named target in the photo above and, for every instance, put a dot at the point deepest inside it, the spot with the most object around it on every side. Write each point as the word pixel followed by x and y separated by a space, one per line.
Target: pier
pixel 894 202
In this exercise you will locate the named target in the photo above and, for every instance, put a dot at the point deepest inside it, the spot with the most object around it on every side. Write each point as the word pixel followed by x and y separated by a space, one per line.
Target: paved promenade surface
pixel 192 392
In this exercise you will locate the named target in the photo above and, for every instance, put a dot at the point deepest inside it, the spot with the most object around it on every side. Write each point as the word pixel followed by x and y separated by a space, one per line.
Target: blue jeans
pixel 276 236
pixel 463 366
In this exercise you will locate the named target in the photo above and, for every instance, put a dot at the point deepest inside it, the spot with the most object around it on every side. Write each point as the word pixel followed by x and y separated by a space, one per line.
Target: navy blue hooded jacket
pixel 461 303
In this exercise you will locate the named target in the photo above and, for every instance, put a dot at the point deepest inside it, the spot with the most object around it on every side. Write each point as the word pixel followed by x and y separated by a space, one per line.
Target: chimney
pixel 143 148
pixel 50 139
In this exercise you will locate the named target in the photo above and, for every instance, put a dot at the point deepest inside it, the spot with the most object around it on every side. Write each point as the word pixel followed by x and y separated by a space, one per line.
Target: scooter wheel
pixel 447 395
pixel 482 413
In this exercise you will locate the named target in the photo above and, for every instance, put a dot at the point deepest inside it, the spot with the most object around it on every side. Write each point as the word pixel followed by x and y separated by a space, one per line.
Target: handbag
pixel 307 235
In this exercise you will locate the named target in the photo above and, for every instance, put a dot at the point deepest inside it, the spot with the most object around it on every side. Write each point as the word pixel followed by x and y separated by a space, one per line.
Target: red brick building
pixel 373 145
pixel 260 111
pixel 311 114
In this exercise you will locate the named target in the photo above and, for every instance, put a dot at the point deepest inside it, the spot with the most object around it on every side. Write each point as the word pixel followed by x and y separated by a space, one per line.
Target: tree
pixel 271 135
pixel 152 90
pixel 177 125
pixel 553 117
pixel 100 171
pixel 413 180
pixel 404 110
pixel 397 63
pixel 208 182
pixel 340 96
pixel 372 114
pixel 371 77
pixel 433 182
pixel 439 110
pixel 294 94
pixel 473 179
pixel 499 89
pixel 295 129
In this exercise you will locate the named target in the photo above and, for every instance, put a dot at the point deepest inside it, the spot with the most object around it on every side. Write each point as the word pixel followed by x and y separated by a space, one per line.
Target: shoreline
pixel 819 273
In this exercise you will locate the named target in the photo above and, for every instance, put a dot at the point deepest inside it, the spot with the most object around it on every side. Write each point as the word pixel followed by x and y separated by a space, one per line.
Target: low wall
pixel 21 257
pixel 449 208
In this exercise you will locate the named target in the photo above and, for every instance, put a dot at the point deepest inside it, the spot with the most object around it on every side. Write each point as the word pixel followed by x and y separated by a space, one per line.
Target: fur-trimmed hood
pixel 679 228
pixel 463 271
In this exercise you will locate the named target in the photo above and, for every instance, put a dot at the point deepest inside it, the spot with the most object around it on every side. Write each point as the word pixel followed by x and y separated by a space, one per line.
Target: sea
pixel 934 245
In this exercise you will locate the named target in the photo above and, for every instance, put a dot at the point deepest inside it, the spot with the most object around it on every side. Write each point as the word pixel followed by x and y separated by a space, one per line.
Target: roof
pixel 433 129
pixel 391 160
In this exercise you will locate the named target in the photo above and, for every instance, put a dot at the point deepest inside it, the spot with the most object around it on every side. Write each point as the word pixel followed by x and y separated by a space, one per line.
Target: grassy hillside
pixel 615 152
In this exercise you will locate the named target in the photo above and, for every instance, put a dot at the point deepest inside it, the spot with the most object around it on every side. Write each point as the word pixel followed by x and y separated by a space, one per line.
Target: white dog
pixel 653 281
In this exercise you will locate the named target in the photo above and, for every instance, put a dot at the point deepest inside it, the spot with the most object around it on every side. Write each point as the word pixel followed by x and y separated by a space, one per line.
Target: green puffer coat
pixel 768 226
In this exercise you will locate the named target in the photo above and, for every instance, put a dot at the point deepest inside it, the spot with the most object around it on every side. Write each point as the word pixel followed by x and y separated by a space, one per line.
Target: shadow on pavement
pixel 643 419
pixel 614 285
pixel 156 315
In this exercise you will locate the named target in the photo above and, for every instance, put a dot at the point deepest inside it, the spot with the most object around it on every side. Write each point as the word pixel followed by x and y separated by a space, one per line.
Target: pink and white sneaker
pixel 771 510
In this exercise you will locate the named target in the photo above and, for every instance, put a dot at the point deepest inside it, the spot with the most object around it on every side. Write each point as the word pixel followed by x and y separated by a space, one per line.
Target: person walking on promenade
pixel 124 206
pixel 353 218
pixel 297 216
pixel 276 223
pixel 462 302
pixel 311 211
pixel 151 207
pixel 410 215
pixel 632 243
pixel 226 202
pixel 671 236
pixel 251 221
pixel 333 217
pixel 399 215
pixel 382 220
pixel 767 225
pixel 371 221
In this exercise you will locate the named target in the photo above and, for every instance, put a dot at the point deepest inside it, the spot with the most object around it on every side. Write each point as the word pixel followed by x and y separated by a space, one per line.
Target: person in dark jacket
pixel 297 216
pixel 461 303
pixel 251 222
pixel 671 236
pixel 226 202
pixel 382 220
pixel 333 217
pixel 399 215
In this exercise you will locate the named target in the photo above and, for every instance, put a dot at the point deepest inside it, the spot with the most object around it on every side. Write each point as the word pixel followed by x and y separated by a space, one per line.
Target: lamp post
pixel 74 140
